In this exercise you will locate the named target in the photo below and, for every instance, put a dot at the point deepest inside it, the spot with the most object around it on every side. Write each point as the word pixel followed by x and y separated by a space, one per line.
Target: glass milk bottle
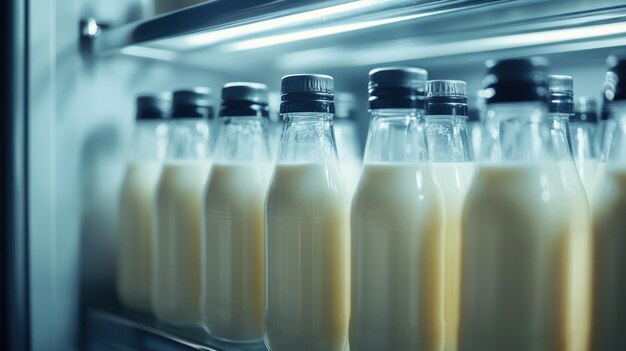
pixel 397 224
pixel 609 230
pixel 561 109
pixel 448 147
pixel 519 221
pixel 234 297
pixel 306 226
pixel 583 125
pixel 347 138
pixel 134 268
pixel 178 249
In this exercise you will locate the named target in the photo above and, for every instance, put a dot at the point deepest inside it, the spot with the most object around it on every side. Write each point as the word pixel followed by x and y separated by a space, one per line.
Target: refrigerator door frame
pixel 14 292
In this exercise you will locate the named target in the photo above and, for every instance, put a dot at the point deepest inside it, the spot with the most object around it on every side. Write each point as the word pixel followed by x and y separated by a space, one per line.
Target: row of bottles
pixel 452 235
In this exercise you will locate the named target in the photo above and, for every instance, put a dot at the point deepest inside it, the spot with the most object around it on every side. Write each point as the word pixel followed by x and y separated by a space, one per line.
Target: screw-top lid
pixel 244 99
pixel 615 82
pixel 192 103
pixel 153 106
pixel 345 105
pixel 585 110
pixel 561 94
pixel 307 93
pixel 516 80
pixel 446 97
pixel 397 87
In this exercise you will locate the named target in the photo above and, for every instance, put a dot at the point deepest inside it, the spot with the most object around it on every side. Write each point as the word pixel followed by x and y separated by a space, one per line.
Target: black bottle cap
pixel 516 80
pixel 244 99
pixel 561 94
pixel 153 106
pixel 615 81
pixel 192 103
pixel 585 110
pixel 307 93
pixel 397 87
pixel 446 97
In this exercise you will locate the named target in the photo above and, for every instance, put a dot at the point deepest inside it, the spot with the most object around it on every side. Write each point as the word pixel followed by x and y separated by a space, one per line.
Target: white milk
pixel 522 226
pixel 234 251
pixel 397 260
pixel 455 179
pixel 178 259
pixel 134 278
pixel 609 235
pixel 307 254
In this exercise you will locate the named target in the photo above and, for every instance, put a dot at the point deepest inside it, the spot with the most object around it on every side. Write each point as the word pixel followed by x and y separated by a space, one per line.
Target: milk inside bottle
pixel 609 227
pixel 561 109
pixel 347 138
pixel 449 152
pixel 518 222
pixel 234 297
pixel 177 261
pixel 583 125
pixel 306 226
pixel 397 224
pixel 134 269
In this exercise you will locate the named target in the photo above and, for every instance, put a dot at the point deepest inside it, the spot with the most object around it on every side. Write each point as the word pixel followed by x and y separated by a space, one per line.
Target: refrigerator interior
pixel 83 80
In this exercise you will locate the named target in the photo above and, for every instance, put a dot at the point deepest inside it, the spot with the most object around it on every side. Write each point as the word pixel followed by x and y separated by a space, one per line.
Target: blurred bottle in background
pixel 149 144
pixel 449 152
pixel 275 127
pixel 561 110
pixel 583 125
pixel 475 133
pixel 177 261
pixel 234 296
pixel 397 224
pixel 609 306
pixel 345 128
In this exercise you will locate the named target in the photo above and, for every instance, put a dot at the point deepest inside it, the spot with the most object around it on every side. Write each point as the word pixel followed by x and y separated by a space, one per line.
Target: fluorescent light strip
pixel 152 53
pixel 211 37
pixel 319 32
pixel 404 52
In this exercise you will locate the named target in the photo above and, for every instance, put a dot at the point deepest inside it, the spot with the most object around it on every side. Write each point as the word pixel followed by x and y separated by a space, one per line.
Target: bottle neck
pixel 242 139
pixel 617 134
pixel 396 135
pixel 517 132
pixel 307 137
pixel 561 136
pixel 447 138
pixel 189 140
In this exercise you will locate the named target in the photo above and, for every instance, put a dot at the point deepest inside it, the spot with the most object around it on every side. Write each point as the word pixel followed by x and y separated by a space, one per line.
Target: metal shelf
pixel 222 21
pixel 289 36
pixel 123 330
